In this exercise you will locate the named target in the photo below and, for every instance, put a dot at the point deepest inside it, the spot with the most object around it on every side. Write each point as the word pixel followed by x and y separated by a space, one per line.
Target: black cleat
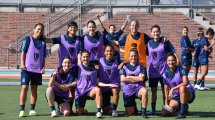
pixel 144 115
pixel 180 116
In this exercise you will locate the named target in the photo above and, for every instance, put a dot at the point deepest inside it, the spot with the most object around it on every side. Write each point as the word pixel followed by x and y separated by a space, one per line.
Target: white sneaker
pixel 33 113
pixel 197 87
pixel 54 113
pixel 203 88
pixel 114 113
pixel 98 114
pixel 22 113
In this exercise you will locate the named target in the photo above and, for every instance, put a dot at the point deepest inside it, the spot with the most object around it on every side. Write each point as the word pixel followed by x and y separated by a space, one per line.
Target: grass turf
pixel 201 108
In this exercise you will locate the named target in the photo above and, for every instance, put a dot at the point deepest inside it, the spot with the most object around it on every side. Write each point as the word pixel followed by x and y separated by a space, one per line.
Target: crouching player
pixel 87 85
pixel 133 77
pixel 63 78
pixel 109 80
pixel 177 88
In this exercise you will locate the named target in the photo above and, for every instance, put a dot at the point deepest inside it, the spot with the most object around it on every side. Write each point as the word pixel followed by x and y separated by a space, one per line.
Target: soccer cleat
pixel 203 88
pixel 144 115
pixel 114 113
pixel 22 113
pixel 197 86
pixel 151 112
pixel 33 113
pixel 54 113
pixel 180 116
pixel 98 114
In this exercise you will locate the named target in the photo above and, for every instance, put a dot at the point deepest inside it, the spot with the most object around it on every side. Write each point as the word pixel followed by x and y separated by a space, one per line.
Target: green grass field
pixel 202 108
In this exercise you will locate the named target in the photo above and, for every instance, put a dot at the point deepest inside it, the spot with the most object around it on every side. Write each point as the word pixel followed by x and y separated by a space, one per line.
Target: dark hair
pixel 112 25
pixel 200 31
pixel 85 51
pixel 109 46
pixel 210 31
pixel 91 21
pixel 156 26
pixel 72 23
pixel 171 55
pixel 185 27
pixel 60 69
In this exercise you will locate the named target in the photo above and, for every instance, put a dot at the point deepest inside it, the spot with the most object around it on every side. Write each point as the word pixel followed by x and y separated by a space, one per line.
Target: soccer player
pixel 32 66
pixel 197 46
pixel 69 44
pixel 205 51
pixel 61 81
pixel 109 81
pixel 186 55
pixel 177 88
pixel 136 40
pixel 133 76
pixel 113 37
pixel 158 52
pixel 87 85
pixel 94 42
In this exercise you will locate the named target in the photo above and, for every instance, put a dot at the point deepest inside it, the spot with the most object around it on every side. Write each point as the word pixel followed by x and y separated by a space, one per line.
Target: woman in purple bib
pixel 133 76
pixel 109 80
pixel 87 85
pixel 177 88
pixel 94 42
pixel 32 66
pixel 62 80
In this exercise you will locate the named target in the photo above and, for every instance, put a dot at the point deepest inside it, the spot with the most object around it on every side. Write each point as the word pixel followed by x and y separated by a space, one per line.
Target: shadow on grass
pixel 198 114
pixel 2 113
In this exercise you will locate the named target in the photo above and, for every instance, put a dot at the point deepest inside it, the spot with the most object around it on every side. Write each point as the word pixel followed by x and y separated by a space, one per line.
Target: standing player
pixel 87 85
pixel 158 52
pixel 62 79
pixel 32 66
pixel 197 46
pixel 70 44
pixel 206 49
pixel 133 76
pixel 186 55
pixel 178 90
pixel 136 40
pixel 94 42
pixel 109 81
pixel 113 37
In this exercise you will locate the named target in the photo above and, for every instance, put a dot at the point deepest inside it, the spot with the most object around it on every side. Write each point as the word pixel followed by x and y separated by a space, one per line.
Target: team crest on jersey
pixel 108 72
pixel 134 45
pixel 36 57
pixel 94 50
pixel 131 87
pixel 71 50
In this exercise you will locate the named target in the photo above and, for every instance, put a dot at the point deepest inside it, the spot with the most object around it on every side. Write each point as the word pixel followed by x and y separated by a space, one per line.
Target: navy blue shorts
pixel 153 82
pixel 34 78
pixel 106 98
pixel 196 62
pixel 186 60
pixel 61 99
pixel 81 101
pixel 177 98
pixel 130 101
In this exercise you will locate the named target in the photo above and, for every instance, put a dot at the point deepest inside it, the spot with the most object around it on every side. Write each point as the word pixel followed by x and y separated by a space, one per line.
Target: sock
pixel 70 104
pixel 114 106
pixel 153 105
pixel 98 109
pixel 195 81
pixel 199 82
pixel 186 109
pixel 143 110
pixel 203 83
pixel 52 108
pixel 22 107
pixel 32 107
pixel 182 108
